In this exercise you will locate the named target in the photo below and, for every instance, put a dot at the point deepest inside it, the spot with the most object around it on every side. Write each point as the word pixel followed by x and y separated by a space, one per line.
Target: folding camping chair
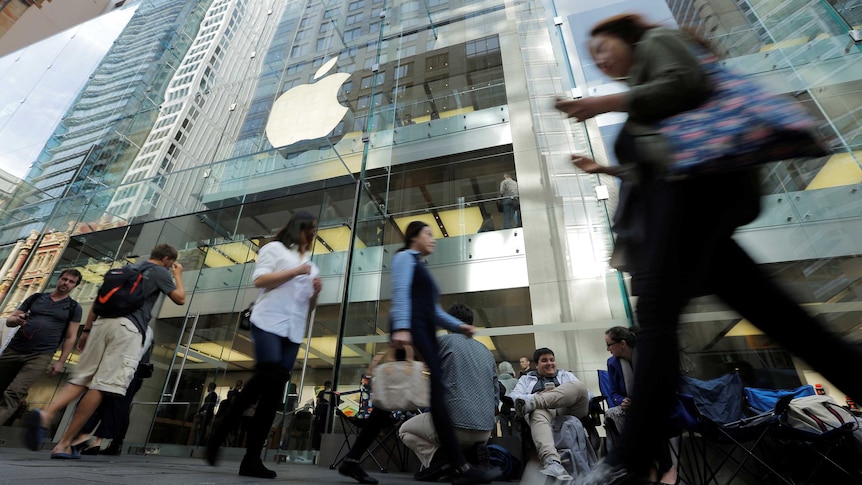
pixel 720 434
pixel 763 400
pixel 829 456
pixel 386 442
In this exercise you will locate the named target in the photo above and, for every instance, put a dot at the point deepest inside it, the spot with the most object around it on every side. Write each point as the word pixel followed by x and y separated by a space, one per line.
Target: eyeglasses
pixel 609 345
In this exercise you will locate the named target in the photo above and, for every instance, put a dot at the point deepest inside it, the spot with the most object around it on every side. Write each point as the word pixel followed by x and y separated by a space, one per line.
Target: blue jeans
pixel 270 348
pixel 510 216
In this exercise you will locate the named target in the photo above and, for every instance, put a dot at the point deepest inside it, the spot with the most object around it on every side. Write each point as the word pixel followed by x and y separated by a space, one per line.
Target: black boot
pixel 251 466
pixel 351 468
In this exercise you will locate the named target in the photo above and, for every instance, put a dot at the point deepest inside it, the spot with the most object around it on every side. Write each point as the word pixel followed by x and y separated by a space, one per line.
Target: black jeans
pixel 688 250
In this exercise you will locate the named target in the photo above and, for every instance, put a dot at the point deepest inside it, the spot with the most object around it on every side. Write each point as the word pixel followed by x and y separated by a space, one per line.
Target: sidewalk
pixel 20 466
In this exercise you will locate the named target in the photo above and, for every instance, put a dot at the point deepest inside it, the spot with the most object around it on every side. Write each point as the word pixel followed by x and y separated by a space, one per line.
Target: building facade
pixel 210 123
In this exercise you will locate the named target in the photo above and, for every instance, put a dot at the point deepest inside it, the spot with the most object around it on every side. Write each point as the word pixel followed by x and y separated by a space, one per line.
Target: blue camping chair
pixel 720 434
pixel 763 400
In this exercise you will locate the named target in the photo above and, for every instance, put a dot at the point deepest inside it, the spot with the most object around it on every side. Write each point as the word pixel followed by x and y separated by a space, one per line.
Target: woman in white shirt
pixel 289 284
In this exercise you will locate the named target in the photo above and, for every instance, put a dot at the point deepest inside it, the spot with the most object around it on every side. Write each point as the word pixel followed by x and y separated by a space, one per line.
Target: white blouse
pixel 284 309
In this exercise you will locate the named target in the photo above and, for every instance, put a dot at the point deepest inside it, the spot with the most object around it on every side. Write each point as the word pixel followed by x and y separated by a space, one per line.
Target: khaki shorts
pixel 109 360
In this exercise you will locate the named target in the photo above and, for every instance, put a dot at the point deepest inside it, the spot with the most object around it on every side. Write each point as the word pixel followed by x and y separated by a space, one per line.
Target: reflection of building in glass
pixel 101 133
pixel 168 143
pixel 193 124
pixel 8 184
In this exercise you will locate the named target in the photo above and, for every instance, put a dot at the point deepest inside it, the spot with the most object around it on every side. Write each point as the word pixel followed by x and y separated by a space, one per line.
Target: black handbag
pixel 245 318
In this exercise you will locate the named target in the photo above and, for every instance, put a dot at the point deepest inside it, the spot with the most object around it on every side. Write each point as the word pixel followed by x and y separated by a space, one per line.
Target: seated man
pixel 470 375
pixel 542 394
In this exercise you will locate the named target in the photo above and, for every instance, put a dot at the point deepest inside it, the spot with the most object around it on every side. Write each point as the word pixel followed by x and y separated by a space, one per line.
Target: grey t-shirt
pixel 46 326
pixel 157 280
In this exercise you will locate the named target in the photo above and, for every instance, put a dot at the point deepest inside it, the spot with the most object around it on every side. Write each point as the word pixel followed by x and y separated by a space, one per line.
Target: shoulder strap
pixel 72 308
pixel 29 302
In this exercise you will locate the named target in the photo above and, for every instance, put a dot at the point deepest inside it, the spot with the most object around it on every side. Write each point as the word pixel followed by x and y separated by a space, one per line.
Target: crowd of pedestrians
pixel 678 240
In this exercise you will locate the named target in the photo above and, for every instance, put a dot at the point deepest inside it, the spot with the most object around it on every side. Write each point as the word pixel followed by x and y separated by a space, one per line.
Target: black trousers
pixel 112 415
pixel 688 250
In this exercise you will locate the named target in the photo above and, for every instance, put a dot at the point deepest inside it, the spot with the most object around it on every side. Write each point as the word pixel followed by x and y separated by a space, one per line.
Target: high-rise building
pixel 210 123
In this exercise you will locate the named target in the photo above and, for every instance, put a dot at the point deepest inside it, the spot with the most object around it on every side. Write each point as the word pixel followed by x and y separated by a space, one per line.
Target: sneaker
pixel 352 468
pixel 605 474
pixel 554 468
pixel 525 406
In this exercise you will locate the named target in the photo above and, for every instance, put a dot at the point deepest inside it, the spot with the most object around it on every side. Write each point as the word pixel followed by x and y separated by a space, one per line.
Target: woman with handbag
pixel 414 317
pixel 678 233
pixel 289 284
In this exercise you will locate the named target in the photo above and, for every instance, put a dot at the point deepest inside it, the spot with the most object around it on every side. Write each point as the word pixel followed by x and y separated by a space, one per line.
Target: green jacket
pixel 665 79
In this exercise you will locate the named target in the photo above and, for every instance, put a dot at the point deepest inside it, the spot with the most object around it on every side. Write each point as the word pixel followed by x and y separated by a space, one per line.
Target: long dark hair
pixel 291 234
pixel 413 230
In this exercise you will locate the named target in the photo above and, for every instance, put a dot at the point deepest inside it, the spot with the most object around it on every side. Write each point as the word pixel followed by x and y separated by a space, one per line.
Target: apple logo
pixel 307 111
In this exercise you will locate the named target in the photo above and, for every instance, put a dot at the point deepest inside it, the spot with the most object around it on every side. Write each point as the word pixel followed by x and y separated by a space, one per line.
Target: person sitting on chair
pixel 470 376
pixel 542 394
pixel 622 342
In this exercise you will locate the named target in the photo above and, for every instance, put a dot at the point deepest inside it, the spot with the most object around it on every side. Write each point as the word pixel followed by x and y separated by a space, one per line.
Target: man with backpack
pixel 45 321
pixel 111 344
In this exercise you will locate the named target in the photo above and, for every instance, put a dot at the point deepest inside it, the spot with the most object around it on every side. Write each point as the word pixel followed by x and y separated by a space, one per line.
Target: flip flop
pixel 36 433
pixel 63 456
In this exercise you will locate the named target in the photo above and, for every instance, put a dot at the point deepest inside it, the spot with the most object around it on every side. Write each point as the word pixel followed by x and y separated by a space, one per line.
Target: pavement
pixel 20 466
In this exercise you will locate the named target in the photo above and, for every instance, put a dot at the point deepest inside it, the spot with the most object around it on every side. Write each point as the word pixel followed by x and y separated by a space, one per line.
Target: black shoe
pixel 437 469
pixel 469 475
pixel 480 455
pixel 114 449
pixel 352 468
pixel 92 450
pixel 253 467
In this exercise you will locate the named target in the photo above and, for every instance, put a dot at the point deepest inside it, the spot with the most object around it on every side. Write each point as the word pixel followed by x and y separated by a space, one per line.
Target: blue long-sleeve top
pixel 617 382
pixel 407 277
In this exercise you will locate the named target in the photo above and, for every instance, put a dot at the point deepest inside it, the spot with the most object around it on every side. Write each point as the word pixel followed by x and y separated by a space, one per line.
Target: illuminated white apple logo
pixel 308 111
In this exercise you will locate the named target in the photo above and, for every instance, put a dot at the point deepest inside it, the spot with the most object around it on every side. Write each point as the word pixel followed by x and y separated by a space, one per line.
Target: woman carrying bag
pixel 289 284
pixel 678 230
pixel 414 316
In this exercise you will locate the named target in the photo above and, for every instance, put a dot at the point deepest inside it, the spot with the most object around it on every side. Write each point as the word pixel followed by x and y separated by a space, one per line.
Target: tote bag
pixel 400 385
pixel 738 126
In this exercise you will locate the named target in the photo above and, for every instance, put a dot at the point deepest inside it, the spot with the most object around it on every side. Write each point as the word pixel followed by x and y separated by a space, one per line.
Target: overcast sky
pixel 41 81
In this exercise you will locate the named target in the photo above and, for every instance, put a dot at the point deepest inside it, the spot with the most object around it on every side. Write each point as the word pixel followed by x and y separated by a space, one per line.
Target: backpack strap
pixel 25 306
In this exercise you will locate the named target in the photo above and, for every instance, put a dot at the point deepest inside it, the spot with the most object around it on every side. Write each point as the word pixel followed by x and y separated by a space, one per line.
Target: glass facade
pixel 209 123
